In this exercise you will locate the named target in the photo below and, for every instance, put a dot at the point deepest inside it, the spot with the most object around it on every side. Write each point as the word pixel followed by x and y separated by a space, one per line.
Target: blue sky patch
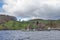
pixel 1 4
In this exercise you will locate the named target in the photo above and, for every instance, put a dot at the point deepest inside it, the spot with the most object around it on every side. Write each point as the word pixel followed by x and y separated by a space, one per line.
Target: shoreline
pixel 30 30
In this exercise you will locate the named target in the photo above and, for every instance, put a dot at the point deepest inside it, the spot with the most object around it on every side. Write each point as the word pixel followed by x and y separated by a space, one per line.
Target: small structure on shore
pixel 38 26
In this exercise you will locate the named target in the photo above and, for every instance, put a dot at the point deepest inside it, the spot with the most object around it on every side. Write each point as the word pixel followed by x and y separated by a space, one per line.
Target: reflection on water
pixel 29 35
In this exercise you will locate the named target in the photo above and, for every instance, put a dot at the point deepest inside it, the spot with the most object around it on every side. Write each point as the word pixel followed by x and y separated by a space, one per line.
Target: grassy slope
pixel 16 25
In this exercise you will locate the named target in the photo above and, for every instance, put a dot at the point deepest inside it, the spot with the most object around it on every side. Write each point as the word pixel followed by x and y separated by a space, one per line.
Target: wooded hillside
pixel 6 18
pixel 11 23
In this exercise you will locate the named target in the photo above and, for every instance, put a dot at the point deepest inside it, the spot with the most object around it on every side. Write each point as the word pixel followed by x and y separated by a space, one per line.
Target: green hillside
pixel 32 24
pixel 10 23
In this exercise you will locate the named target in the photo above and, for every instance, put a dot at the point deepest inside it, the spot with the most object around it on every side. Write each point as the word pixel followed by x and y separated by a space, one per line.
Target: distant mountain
pixel 5 18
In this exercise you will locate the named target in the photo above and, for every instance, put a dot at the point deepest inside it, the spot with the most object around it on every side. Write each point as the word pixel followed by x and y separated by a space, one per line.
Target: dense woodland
pixel 10 23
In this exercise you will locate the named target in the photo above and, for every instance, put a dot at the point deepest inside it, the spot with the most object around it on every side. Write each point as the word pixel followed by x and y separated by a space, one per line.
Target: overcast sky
pixel 43 9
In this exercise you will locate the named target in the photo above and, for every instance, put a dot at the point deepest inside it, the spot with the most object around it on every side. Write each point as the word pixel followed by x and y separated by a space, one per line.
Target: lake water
pixel 29 35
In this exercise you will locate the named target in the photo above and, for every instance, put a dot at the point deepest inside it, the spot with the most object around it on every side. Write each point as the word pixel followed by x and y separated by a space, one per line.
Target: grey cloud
pixel 37 9
pixel 44 12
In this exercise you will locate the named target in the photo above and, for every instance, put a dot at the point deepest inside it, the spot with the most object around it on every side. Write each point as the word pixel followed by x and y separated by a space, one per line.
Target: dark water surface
pixel 29 35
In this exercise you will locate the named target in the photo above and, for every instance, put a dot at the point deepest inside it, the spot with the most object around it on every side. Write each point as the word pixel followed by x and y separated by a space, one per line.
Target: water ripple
pixel 30 35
